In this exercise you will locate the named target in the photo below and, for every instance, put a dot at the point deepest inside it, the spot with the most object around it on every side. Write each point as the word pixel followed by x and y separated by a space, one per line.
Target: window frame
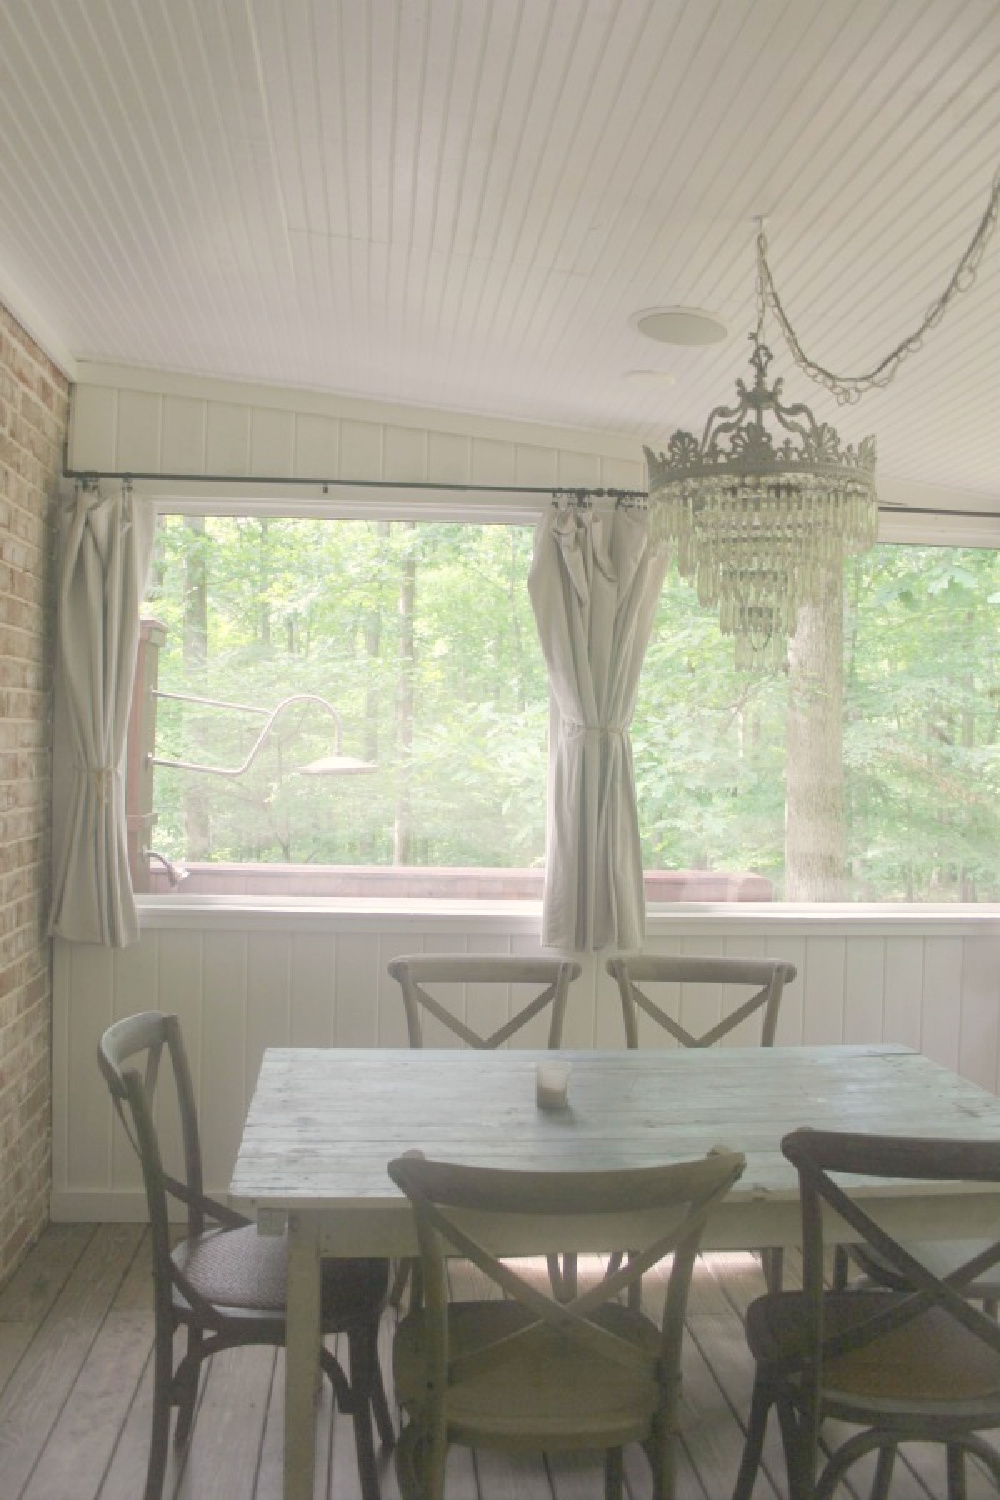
pixel 899 523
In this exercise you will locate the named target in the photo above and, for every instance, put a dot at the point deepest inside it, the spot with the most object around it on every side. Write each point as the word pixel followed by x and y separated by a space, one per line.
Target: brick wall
pixel 34 405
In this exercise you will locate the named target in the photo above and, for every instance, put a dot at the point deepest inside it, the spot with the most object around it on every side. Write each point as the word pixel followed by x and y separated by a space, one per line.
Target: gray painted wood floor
pixel 76 1334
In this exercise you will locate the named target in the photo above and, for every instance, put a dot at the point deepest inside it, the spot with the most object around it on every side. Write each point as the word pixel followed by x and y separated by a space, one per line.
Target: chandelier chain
pixel 849 389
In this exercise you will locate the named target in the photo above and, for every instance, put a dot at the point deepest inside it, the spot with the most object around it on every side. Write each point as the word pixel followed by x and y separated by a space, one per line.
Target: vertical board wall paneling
pixel 140 426
pixel 864 986
pixel 312 979
pixel 182 441
pixel 268 1005
pixel 317 445
pixel 902 1013
pixel 88 1151
pixel 227 438
pixel 980 1035
pixel 360 980
pixel 239 988
pixel 272 443
pixel 791 1017
pixel 823 992
pixel 224 1067
pixel 144 423
pixel 941 1000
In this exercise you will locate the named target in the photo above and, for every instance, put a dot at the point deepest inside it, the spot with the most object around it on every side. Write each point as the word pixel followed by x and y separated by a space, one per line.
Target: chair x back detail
pixel 766 977
pixel 921 1365
pixel 416 972
pixel 223 1283
pixel 526 1372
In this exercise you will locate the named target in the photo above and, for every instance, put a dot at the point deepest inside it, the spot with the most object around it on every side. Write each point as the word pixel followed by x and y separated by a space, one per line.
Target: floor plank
pixel 76 1334
pixel 33 1399
pixel 31 1291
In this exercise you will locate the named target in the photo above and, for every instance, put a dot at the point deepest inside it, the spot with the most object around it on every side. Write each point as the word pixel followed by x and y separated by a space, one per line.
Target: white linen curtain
pixel 594 584
pixel 105 546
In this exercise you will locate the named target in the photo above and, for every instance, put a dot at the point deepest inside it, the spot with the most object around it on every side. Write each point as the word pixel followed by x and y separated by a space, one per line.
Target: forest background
pixel 867 771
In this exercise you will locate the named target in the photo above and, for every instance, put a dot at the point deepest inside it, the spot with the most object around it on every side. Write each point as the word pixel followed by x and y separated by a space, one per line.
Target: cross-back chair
pixel 224 1284
pixel 767 978
pixel 527 1372
pixel 415 973
pixel 921 1365
pixel 635 974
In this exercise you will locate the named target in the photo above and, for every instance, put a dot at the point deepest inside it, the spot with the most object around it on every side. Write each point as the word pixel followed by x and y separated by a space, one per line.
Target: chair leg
pixel 883 1473
pixel 404 1270
pixel 772 1263
pixel 407 1462
pixel 956 1473
pixel 661 1451
pixel 363 1355
pixel 380 1407
pixel 753 1448
pixel 799 1442
pixel 163 1364
pixel 614 1471
pixel 841 1264
pixel 186 1387
pixel 562 1276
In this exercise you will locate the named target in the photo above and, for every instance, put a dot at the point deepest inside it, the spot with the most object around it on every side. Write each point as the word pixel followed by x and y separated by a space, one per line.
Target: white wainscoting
pixel 314 974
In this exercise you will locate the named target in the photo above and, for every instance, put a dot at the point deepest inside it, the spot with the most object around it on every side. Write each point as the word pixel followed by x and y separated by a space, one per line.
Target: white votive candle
pixel 552 1085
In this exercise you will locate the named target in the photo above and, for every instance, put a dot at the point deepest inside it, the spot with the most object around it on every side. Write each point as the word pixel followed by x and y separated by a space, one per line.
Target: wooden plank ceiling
pixel 464 203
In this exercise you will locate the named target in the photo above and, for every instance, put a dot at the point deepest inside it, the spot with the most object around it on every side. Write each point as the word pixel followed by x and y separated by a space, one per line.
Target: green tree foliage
pixel 302 606
pixel 293 604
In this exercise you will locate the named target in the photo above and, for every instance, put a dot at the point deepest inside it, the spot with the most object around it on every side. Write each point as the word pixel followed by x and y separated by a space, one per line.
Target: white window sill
pixel 219 912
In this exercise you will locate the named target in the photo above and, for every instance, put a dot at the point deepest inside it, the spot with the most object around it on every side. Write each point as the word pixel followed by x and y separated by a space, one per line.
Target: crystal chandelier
pixel 769 502
pixel 758 517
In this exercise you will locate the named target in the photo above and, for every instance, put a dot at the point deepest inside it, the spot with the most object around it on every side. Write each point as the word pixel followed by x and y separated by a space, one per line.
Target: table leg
pixel 301 1356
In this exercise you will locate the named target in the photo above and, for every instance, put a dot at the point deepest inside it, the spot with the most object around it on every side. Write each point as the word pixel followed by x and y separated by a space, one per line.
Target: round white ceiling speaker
pixel 690 326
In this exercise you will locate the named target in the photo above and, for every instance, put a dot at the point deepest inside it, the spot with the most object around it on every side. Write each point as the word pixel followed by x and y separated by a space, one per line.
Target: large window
pixel 868 772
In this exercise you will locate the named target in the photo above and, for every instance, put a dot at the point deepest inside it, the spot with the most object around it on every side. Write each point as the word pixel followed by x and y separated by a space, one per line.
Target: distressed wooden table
pixel 323 1123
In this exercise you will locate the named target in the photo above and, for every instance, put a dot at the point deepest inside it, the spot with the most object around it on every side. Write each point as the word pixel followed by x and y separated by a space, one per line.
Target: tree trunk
pixel 815 839
pixel 197 826
pixel 402 834
pixel 263 587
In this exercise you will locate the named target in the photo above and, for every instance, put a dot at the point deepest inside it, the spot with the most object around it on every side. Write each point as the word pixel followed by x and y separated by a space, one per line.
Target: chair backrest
pixel 816 1154
pixel 765 976
pixel 131 1056
pixel 481 1213
pixel 415 972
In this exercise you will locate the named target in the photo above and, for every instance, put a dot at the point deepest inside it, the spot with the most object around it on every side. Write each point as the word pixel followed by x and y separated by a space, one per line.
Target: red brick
pixel 34 405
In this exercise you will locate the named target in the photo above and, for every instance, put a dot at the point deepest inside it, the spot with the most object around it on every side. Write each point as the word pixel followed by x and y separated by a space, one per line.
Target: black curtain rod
pixel 581 492
pixel 325 484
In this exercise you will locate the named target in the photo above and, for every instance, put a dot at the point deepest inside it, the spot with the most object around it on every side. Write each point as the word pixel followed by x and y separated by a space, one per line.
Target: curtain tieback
pixel 577 726
pixel 101 779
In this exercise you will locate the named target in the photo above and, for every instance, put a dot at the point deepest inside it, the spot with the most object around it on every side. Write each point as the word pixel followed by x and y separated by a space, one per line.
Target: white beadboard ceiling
pixel 463 203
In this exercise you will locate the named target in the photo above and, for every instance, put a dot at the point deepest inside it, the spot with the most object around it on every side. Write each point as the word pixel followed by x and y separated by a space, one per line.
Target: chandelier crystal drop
pixel 758 518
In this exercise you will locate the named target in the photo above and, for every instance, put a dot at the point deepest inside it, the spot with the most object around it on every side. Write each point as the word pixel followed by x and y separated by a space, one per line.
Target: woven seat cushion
pixel 931 1358
pixel 244 1269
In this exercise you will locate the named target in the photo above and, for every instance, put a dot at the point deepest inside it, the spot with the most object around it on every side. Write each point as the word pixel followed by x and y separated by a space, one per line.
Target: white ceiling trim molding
pixel 36 326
